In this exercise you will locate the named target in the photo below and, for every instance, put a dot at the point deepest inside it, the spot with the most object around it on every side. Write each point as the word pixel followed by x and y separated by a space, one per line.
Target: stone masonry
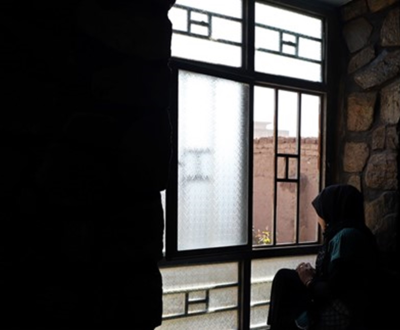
pixel 370 144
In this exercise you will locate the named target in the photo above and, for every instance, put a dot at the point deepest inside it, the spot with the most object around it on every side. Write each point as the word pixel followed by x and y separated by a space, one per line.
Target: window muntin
pixel 212 161
pixel 288 43
pixel 207 31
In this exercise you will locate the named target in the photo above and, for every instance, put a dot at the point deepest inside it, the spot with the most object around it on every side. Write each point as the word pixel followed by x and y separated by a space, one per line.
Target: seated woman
pixel 334 294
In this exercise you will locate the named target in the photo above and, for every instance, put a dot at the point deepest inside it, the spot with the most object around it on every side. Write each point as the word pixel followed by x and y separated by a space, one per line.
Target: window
pixel 250 92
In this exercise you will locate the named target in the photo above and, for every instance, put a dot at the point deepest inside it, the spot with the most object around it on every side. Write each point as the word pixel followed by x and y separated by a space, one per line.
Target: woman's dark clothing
pixel 290 298
pixel 338 295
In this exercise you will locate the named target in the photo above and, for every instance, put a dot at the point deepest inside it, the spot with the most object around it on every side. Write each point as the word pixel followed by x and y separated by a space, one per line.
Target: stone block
pixel 355 181
pixel 357 33
pixel 390 32
pixel 378 138
pixel 390 103
pixel 385 67
pixel 381 171
pixel 376 5
pixel 392 138
pixel 360 59
pixel 354 9
pixel 355 156
pixel 360 111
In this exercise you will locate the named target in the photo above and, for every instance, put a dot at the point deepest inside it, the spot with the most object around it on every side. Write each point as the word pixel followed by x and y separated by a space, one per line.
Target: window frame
pixel 244 255
pixel 246 74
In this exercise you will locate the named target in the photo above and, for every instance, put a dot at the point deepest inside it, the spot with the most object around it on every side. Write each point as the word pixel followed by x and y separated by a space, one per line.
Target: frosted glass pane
pixel 222 320
pixel 174 304
pixel 263 164
pixel 212 162
pixel 224 297
pixel 208 31
pixel 286 212
pixel 210 289
pixel 258 316
pixel 310 166
pixel 195 278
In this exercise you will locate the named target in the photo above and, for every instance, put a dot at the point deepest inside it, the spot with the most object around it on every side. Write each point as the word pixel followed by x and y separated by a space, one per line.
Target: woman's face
pixel 322 223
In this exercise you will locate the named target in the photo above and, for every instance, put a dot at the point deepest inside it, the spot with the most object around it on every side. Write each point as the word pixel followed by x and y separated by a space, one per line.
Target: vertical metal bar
pixel 244 293
pixel 209 25
pixel 287 164
pixel 171 228
pixel 276 137
pixel 189 17
pixel 299 113
pixel 248 27
pixel 251 164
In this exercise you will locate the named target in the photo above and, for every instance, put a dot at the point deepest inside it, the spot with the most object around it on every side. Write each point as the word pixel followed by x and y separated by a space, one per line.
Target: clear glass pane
pixel 287 122
pixel 267 39
pixel 212 162
pixel 293 168
pixel 224 29
pixel 287 66
pixel 286 212
pixel 310 49
pixel 288 43
pixel 232 8
pixel 286 20
pixel 207 31
pixel 190 286
pixel 310 166
pixel 263 164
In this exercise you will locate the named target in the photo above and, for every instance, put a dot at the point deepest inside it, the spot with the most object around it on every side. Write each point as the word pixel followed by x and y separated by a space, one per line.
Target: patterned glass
pixel 200 297
pixel 212 162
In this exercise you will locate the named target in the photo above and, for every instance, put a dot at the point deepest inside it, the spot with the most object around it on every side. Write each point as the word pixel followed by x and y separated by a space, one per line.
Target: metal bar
pixel 281 53
pixel 275 162
pixel 201 11
pixel 200 36
pixel 299 113
pixel 244 294
pixel 268 27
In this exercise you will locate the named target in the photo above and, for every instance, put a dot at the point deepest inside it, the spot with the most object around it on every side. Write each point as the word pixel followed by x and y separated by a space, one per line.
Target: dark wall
pixel 85 148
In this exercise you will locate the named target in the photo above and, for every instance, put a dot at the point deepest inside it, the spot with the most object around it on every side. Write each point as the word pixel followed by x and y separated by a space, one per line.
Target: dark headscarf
pixel 340 206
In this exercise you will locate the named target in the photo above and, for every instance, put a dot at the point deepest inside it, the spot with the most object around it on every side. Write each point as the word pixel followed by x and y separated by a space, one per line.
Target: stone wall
pixel 371 112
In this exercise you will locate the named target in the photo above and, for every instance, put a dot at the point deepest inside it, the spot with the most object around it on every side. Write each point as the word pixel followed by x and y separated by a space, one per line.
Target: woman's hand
pixel 306 272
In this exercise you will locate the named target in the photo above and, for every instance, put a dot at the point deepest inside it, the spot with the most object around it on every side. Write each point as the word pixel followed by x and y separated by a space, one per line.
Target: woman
pixel 334 294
